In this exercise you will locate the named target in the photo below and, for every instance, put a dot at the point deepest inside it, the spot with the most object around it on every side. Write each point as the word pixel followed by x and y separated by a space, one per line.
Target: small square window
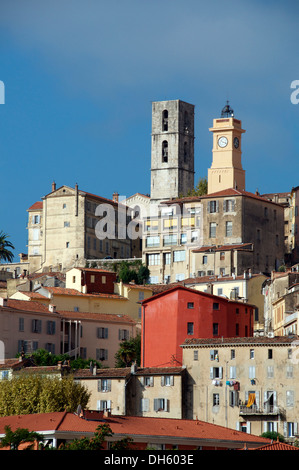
pixel 190 305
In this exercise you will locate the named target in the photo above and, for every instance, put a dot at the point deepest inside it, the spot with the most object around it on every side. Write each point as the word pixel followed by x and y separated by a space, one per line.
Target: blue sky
pixel 80 77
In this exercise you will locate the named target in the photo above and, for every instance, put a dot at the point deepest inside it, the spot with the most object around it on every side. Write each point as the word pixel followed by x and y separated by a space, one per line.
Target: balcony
pixel 271 410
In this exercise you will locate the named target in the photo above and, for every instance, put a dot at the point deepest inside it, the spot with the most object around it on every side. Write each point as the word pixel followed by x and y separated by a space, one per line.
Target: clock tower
pixel 226 170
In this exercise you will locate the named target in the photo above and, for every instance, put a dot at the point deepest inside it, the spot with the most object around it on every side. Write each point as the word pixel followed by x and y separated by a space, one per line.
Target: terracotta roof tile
pixel 31 306
pixel 36 206
pixel 277 446
pixel 66 291
pixel 256 340
pixel 193 431
pixel 102 317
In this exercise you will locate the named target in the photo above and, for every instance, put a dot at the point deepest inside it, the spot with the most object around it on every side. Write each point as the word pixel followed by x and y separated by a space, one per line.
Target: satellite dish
pixel 79 409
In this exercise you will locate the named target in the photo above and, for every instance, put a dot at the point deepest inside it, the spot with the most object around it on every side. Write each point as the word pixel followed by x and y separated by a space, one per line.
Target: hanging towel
pixel 251 400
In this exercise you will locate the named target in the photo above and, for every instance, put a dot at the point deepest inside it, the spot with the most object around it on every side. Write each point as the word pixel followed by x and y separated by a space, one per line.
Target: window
pixel 165 120
pixel 21 324
pixel 170 240
pixel 190 328
pixel 290 398
pixel 222 255
pixel 153 259
pixel 92 278
pixel 204 259
pixel 36 219
pixel 152 241
pixel 215 306
pixel 195 355
pixel 51 327
pixel 213 206
pixel 232 372
pixel 164 151
pixel 161 404
pixel 67 245
pixel 101 354
pixel 123 335
pixel 216 373
pixel 167 380
pixel 180 277
pixel 102 333
pixel 289 372
pixel 270 353
pixel 270 372
pixel 212 230
pixel 228 229
pixel 66 224
pixel 251 353
pixel 251 372
pixel 144 404
pixel 237 329
pixel 190 305
pixel 36 326
pixel 179 255
pixel 229 205
pixel 103 279
pixel 104 385
pixel 216 400
pixel 167 258
pixel 183 238
pixel 147 381
pixel 35 234
pixel 232 354
pixel 233 398
pixel 103 405
pixel 215 329
pixel 214 355
pixel 219 291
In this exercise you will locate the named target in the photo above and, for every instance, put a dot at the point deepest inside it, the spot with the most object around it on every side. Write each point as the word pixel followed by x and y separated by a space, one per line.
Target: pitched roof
pixel 277 446
pixel 194 432
pixel 36 206
pixel 72 292
pixel 249 340
pixel 223 193
pixel 30 306
pixel 102 317
pixel 230 247
pixel 192 291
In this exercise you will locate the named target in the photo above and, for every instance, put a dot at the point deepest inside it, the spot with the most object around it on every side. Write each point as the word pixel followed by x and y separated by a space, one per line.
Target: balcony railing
pixel 258 410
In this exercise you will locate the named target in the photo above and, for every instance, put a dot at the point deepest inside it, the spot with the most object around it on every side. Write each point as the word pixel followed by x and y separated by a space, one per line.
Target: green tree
pixel 128 352
pixel 97 441
pixel 13 439
pixel 28 394
pixel 200 189
pixel 5 248
pixel 273 435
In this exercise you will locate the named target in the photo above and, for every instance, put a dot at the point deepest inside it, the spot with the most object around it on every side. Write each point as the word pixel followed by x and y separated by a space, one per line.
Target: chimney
pixel 3 302
pixel 94 370
pixel 115 197
pixel 53 186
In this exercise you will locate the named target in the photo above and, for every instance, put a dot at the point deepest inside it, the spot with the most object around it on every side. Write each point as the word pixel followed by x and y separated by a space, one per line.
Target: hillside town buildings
pixel 218 337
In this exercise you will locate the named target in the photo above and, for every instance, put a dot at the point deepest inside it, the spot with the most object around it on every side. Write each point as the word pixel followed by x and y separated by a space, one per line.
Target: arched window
pixel 164 151
pixel 165 120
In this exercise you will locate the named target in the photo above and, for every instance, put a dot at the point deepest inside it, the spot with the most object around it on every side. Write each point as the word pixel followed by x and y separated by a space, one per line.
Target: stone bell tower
pixel 226 170
pixel 172 152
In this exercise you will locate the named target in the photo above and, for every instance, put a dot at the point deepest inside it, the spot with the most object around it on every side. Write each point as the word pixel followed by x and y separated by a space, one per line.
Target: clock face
pixel 222 142
pixel 236 142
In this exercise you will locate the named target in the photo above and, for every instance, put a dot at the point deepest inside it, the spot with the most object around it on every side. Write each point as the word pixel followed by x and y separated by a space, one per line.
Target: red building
pixel 97 280
pixel 168 318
